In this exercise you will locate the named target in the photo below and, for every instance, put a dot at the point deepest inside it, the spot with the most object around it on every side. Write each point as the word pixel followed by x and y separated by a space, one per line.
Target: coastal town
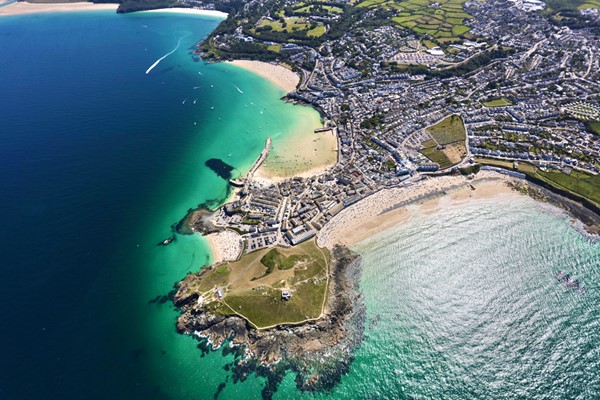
pixel 510 90
pixel 421 102
pixel 302 198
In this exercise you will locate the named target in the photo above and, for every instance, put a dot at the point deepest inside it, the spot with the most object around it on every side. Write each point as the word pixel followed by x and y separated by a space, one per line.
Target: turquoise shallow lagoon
pixel 99 159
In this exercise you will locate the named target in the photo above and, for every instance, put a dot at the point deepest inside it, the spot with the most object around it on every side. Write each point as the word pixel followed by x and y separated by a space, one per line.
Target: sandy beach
pixel 32 8
pixel 302 154
pixel 277 74
pixel 196 11
pixel 390 207
pixel 225 245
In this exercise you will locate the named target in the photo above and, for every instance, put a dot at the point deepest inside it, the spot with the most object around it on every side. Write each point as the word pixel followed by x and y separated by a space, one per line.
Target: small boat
pixel 167 241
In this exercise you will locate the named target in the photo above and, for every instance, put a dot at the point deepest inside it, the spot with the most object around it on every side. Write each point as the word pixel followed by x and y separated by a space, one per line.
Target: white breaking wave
pixel 238 89
pixel 168 54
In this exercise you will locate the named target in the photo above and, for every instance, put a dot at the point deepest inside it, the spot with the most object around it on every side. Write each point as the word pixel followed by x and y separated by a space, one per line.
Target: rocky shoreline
pixel 589 220
pixel 318 352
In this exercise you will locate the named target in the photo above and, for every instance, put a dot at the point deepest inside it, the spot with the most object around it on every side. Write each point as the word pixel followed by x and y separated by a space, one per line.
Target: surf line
pixel 167 55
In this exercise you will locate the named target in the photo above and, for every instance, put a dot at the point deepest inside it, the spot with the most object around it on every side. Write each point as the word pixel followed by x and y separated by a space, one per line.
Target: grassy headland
pixel 252 287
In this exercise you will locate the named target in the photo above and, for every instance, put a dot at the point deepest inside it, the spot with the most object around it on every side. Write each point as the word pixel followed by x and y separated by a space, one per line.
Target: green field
pixel 501 102
pixel 449 130
pixel 594 127
pixel 437 156
pixel 577 182
pixel 290 25
pixel 317 7
pixel 590 4
pixel 317 31
pixel 447 144
pixel 252 286
pixel 274 47
pixel 441 19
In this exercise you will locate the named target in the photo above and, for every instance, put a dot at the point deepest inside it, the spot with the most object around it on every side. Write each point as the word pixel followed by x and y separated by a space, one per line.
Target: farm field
pixel 444 19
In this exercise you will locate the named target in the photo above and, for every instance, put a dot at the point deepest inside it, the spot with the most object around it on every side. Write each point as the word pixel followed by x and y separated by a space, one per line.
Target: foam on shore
pixel 390 207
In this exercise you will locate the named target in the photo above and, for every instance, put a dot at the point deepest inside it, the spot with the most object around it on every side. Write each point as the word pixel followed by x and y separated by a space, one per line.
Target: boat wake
pixel 168 54
pixel 238 89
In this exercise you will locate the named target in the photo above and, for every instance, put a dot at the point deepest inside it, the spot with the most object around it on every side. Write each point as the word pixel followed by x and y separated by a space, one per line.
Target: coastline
pixel 280 76
pixel 194 11
pixel 391 207
pixel 303 153
pixel 22 8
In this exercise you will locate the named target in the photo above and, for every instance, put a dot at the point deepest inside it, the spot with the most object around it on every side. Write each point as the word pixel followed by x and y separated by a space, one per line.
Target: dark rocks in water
pixel 198 219
pixel 219 390
pixel 220 168
pixel 318 352
pixel 167 241
pixel 569 281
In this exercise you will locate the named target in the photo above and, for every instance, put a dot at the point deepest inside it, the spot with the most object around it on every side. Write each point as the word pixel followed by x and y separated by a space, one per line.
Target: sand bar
pixel 390 207
pixel 20 7
pixel 277 74
pixel 225 245
pixel 195 11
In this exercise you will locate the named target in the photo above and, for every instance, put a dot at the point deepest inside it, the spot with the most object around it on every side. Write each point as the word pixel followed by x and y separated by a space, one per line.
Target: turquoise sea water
pixel 98 159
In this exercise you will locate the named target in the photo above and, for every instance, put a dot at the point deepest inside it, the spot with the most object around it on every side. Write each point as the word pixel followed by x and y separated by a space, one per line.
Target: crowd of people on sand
pixel 342 227
pixel 226 245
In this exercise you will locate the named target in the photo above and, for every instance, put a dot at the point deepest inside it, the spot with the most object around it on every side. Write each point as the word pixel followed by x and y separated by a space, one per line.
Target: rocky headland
pixel 318 352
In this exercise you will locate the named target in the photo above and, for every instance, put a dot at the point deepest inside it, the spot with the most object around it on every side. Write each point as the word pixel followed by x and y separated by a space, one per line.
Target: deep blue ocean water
pixel 98 159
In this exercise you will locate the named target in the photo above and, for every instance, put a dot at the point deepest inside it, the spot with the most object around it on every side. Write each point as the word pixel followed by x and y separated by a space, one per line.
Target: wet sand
pixel 277 74
pixel 303 154
pixel 390 207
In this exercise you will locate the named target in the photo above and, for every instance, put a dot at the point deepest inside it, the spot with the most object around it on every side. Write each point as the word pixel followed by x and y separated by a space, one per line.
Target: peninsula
pixel 424 102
